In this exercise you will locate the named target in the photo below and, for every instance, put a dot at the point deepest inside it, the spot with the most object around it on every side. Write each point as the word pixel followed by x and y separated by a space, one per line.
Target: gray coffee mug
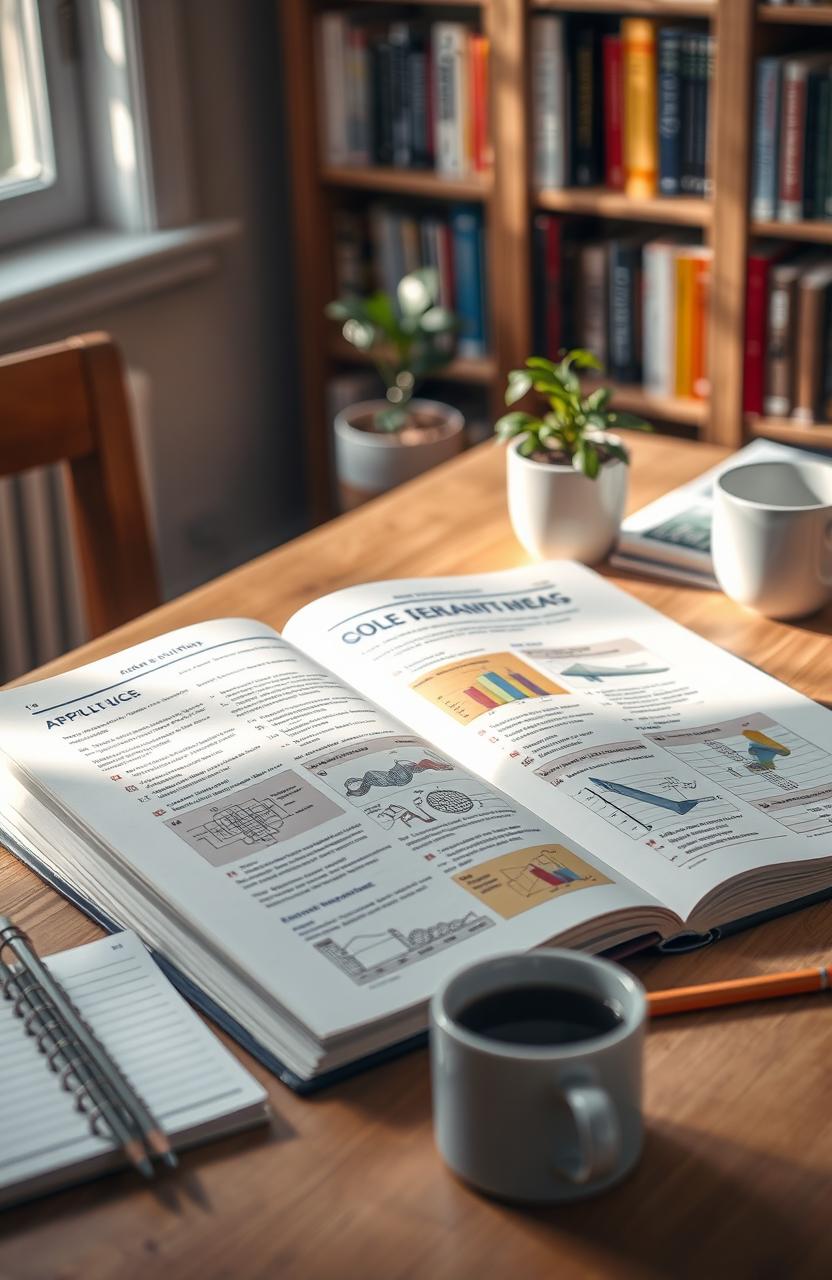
pixel 539 1123
pixel 772 536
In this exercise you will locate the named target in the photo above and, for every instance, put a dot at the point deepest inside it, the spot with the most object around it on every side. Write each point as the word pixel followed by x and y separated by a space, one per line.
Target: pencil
pixel 712 994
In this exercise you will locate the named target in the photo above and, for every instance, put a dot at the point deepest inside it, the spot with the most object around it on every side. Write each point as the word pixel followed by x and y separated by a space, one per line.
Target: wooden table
pixel 737 1173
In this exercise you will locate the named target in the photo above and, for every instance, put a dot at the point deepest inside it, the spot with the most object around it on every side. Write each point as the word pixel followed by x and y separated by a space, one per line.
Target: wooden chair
pixel 67 403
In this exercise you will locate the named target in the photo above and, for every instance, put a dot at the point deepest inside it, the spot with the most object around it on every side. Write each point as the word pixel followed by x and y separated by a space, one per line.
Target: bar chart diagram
pixel 469 688
pixel 516 882
pixel 765 764
pixel 655 809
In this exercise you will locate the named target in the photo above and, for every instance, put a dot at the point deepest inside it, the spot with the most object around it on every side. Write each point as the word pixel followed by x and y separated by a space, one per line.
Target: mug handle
pixel 598 1130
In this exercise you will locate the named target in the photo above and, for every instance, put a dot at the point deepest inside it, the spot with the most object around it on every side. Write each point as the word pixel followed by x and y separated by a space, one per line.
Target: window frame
pixel 36 208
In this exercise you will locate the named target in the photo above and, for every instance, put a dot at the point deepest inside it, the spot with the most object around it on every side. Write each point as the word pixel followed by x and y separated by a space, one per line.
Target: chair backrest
pixel 67 403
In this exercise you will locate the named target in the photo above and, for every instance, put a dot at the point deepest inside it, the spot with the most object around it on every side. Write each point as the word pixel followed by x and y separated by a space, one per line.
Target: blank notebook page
pixel 189 1080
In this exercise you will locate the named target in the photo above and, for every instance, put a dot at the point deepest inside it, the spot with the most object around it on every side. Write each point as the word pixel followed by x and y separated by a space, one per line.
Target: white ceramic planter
pixel 368 464
pixel 557 513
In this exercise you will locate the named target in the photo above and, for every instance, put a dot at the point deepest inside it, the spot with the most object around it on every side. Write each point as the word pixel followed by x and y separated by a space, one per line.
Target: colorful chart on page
pixel 765 764
pixel 472 686
pixel 516 882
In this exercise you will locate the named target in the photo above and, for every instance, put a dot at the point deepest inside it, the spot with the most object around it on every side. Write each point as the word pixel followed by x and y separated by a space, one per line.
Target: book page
pixel 335 860
pixel 185 1075
pixel 683 764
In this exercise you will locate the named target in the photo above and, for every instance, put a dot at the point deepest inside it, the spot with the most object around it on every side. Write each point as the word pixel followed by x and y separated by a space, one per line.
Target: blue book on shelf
pixel 766 154
pixel 467 235
pixel 670 111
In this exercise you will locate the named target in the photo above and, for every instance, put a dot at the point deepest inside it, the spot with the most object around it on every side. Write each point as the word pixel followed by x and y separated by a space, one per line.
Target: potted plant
pixel 381 443
pixel 567 474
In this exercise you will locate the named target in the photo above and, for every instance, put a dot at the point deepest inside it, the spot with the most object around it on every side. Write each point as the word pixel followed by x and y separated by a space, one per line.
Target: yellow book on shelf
pixel 638 42
pixel 685 312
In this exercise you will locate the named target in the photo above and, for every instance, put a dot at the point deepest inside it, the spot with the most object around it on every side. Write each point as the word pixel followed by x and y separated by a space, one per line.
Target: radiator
pixel 42 609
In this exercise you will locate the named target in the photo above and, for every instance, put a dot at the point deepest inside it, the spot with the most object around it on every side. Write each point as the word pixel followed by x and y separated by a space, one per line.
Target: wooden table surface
pixel 736 1176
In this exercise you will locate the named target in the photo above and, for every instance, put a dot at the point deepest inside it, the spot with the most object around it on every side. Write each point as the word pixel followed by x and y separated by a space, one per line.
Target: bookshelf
pixel 743 29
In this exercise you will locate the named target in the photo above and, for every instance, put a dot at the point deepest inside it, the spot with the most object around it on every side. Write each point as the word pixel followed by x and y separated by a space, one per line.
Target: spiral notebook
pixel 190 1081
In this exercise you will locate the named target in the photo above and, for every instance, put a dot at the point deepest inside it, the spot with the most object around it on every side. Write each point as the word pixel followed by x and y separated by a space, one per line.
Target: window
pixel 43 182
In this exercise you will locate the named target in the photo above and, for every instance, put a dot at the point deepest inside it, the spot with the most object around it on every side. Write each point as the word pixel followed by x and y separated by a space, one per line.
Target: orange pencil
pixel 712 994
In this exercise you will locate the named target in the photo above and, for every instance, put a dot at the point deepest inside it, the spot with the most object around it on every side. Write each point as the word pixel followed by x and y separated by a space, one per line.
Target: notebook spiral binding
pixel 42 1021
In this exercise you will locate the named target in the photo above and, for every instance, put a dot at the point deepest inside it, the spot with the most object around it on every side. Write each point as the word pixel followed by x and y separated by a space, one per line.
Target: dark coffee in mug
pixel 540 1015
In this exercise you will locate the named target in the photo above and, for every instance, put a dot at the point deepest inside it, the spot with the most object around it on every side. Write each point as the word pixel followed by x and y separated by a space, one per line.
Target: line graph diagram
pixel 597 664
pixel 365 957
pixel 656 809
pixel 649 798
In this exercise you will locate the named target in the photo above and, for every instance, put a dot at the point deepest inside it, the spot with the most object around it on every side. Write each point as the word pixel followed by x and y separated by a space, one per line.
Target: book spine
pixel 418 93
pixel 710 71
pixel 584 112
pixel 685 305
pixel 766 139
pixel 539 224
pixel 756 290
pixel 701 308
pixel 623 362
pixel 809 352
pixel 793 113
pixel 549 101
pixel 687 60
pixel 554 286
pixel 821 145
pixel 826 376
pixel 658 340
pixel 400 95
pixel 449 40
pixel 479 102
pixel 700 113
pixel 779 393
pixel 383 102
pixel 613 113
pixel 332 44
pixel 465 229
pixel 592 299
pixel 670 112
pixel 810 130
pixel 445 255
pixel 639 52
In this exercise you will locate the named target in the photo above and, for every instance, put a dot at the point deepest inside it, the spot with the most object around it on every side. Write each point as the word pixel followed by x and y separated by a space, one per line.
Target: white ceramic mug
pixel 539 1123
pixel 772 536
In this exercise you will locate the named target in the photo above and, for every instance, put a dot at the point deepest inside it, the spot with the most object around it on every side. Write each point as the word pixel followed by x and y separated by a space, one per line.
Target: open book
pixel 311 830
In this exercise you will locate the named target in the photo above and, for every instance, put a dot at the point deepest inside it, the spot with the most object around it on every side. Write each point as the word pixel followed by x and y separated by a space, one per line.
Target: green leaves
pixel 519 382
pixel 514 424
pixel 574 424
pixel 408 337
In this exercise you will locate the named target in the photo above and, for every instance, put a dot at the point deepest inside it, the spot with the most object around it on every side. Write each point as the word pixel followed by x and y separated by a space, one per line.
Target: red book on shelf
pixel 760 258
pixel 613 114
pixel 478 81
pixel 701 292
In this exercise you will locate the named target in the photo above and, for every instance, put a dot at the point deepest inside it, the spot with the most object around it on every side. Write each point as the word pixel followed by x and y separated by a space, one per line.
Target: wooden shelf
pixel 817 16
pixel 631 398
pixel 816 435
pixel 411 182
pixel 651 8
pixel 481 371
pixel 688 211
pixel 820 232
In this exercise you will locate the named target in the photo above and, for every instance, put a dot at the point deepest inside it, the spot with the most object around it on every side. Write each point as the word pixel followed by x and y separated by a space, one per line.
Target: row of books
pixel 411 94
pixel 375 248
pixel 641 306
pixel 788 333
pixel 792 164
pixel 624 104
